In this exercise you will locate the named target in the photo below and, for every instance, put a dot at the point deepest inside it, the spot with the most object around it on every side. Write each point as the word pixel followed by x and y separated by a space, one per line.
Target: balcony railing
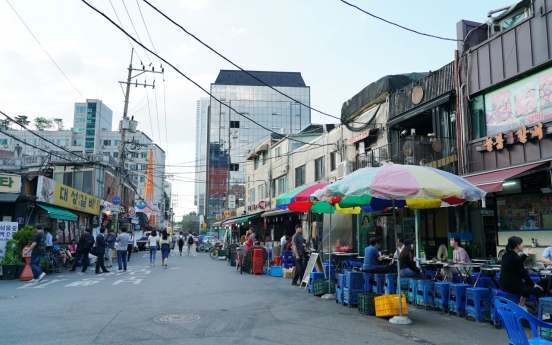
pixel 440 153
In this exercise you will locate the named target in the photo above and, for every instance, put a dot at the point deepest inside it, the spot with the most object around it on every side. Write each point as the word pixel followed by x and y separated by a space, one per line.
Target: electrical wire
pixel 235 65
pixel 398 25
pixel 118 19
pixel 182 74
pixel 41 46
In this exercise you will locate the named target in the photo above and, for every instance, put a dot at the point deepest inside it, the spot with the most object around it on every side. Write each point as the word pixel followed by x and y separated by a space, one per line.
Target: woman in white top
pixel 153 240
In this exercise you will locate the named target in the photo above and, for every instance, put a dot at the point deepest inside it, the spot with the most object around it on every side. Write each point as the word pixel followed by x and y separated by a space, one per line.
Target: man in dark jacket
pixel 100 251
pixel 86 242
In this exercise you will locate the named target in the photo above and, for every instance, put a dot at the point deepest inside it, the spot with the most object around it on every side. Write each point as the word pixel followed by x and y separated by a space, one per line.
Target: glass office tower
pixel 232 136
pixel 201 154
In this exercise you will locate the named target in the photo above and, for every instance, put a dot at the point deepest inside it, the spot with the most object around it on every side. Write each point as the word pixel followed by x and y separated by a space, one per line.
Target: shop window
pixel 256 163
pixel 333 161
pixel 265 157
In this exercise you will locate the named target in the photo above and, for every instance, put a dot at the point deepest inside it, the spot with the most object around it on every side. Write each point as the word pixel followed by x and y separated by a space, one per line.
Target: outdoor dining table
pixel 341 258
pixel 490 271
pixel 464 267
pixel 434 266
pixel 544 274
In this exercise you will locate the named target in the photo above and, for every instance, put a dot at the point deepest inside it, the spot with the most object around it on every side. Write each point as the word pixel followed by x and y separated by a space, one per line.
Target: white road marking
pixel 134 280
pixel 85 282
pixel 40 285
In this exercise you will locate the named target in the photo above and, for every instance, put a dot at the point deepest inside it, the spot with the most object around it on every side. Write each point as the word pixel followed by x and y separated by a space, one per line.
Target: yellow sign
pixel 52 192
pixel 227 213
pixel 10 183
pixel 218 216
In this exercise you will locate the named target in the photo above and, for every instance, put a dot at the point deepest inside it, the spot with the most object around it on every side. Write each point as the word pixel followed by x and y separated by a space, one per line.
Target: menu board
pixel 524 212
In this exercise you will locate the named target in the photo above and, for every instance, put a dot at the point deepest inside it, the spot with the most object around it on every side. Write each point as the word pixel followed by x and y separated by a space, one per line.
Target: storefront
pixel 65 210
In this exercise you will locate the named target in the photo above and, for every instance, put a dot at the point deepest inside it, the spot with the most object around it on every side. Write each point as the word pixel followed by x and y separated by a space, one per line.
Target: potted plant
pixel 20 266
pixel 10 261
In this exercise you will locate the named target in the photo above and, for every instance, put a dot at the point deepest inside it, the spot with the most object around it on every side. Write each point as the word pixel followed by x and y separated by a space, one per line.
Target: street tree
pixel 59 124
pixel 5 124
pixel 42 123
pixel 22 120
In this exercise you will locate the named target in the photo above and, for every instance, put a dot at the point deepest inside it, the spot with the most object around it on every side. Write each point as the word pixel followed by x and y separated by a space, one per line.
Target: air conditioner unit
pixel 103 146
pixel 5 146
pixel 344 168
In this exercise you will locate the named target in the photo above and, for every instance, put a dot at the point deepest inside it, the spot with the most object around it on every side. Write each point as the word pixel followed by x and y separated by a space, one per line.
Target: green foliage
pixel 42 123
pixel 24 236
pixel 59 124
pixel 193 213
pixel 22 120
pixel 45 264
pixel 10 254
pixel 204 231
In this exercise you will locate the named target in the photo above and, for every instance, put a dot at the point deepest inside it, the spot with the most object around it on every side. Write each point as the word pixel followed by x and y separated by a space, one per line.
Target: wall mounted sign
pixel 521 135
pixel 52 192
pixel 10 183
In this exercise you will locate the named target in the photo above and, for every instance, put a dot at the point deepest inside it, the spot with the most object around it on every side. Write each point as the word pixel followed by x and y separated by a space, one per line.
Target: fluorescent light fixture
pixel 509 183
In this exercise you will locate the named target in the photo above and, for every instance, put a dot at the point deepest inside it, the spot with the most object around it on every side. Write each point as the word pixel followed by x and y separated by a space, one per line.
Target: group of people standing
pixel 163 241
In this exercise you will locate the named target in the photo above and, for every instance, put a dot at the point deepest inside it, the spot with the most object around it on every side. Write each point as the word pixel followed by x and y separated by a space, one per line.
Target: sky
pixel 337 49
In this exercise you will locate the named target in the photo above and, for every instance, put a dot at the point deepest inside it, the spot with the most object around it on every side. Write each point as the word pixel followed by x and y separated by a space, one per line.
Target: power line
pixel 185 76
pixel 132 23
pixel 398 25
pixel 116 15
pixel 41 46
pixel 235 65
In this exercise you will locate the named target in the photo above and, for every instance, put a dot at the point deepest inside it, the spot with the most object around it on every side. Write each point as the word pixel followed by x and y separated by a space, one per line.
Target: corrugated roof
pixel 231 77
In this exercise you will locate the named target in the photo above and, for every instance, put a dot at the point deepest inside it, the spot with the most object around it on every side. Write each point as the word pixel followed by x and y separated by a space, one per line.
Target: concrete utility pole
pixel 130 125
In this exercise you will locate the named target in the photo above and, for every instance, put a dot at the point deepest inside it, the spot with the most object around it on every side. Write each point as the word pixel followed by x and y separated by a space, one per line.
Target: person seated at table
pixel 62 252
pixel 400 247
pixel 72 247
pixel 459 256
pixel 313 245
pixel 408 266
pixel 372 257
pixel 513 276
pixel 546 257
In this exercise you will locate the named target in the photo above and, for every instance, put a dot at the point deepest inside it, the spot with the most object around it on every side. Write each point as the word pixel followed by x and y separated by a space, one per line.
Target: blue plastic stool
pixel 457 299
pixel 425 293
pixel 405 283
pixel 379 283
pixel 457 279
pixel 341 278
pixel 354 281
pixel 485 282
pixel 390 286
pixel 412 290
pixel 427 274
pixel 368 282
pixel 545 307
pixel 315 276
pixel 478 301
pixel 495 317
pixel 329 270
pixel 339 295
pixel 441 296
pixel 350 298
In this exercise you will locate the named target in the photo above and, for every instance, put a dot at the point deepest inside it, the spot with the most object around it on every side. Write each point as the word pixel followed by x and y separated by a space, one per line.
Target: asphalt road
pixel 210 303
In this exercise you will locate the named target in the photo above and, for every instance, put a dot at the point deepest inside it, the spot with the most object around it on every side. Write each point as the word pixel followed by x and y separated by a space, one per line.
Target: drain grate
pixel 174 318
pixel 6 297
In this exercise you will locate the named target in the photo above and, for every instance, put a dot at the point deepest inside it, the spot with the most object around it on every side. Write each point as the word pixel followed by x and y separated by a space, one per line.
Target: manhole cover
pixel 6 297
pixel 172 318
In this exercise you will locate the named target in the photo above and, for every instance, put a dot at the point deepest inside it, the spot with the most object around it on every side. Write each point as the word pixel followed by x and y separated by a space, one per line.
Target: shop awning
pixel 492 181
pixel 8 197
pixel 247 218
pixel 217 223
pixel 58 213
pixel 275 213
pixel 420 109
pixel 228 222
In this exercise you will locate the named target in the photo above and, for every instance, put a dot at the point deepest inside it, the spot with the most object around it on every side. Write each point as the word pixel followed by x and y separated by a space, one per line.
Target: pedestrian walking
pixel 298 253
pixel 101 244
pixel 153 239
pixel 165 243
pixel 110 247
pixel 122 245
pixel 180 242
pixel 190 241
pixel 37 249
pixel 130 246
pixel 86 242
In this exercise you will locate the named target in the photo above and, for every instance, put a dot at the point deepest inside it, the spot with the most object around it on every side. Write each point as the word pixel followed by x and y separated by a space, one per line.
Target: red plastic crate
pixel 258 253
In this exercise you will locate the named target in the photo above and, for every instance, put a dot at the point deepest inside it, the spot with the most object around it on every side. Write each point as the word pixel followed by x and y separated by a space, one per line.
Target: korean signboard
pixel 52 192
pixel 10 183
pixel 523 103
pixel 7 230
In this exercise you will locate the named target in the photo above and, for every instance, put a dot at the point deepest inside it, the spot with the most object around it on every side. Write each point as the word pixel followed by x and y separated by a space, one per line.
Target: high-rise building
pixel 201 154
pixel 233 135
pixel 92 134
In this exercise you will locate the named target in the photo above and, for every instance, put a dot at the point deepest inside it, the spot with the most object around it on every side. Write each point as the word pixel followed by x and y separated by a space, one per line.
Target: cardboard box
pixel 288 273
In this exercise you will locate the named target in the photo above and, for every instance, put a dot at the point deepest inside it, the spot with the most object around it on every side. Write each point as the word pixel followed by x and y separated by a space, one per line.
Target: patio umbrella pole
pixel 398 320
pixel 329 295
